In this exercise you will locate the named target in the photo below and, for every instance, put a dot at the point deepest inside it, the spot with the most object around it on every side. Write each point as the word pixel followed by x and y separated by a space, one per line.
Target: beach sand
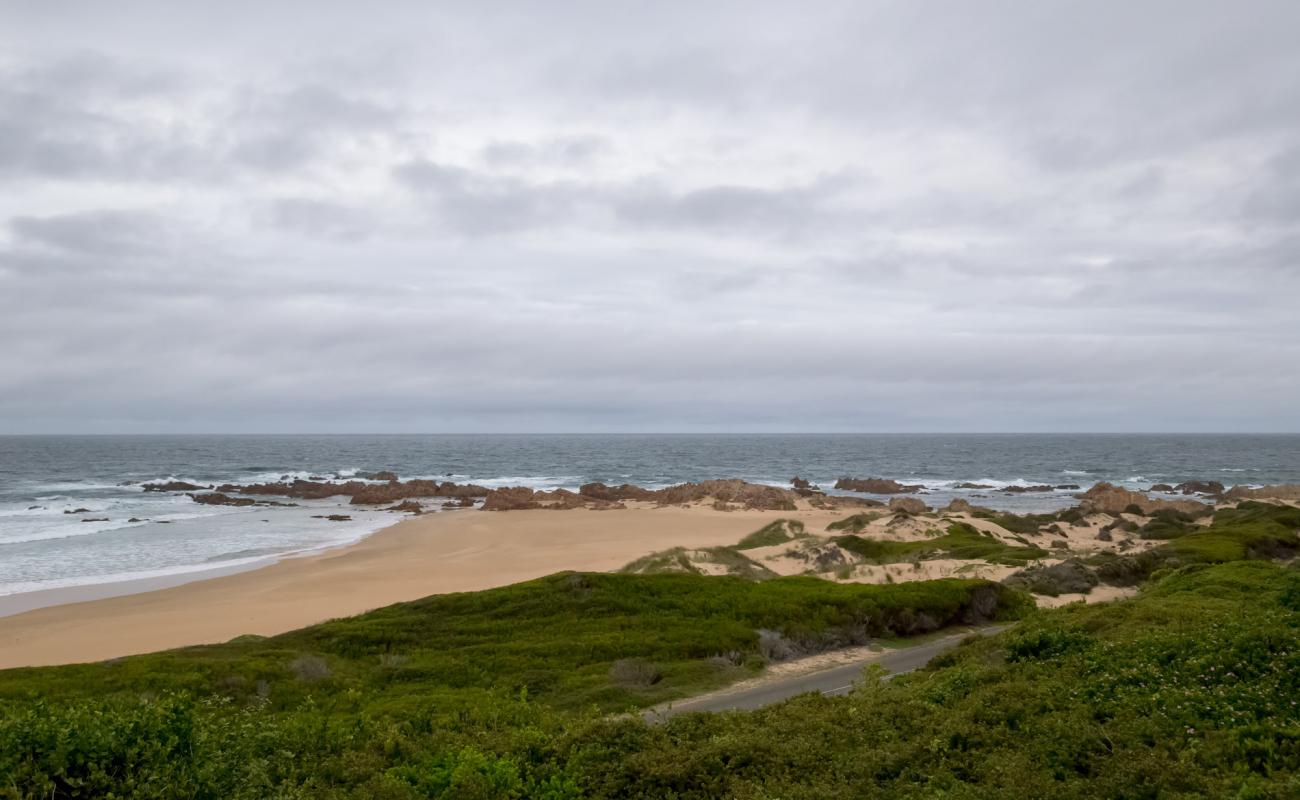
pixel 438 553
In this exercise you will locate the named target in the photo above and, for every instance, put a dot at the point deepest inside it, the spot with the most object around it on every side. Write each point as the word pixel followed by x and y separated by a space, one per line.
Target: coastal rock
pixel 1199 487
pixel 304 490
pixel 409 507
pixel 333 517
pixel 462 502
pixel 910 505
pixel 967 485
pixel 1111 499
pixel 599 491
pixel 383 475
pixel 1161 487
pixel 1042 487
pixel 510 498
pixel 360 492
pixel 372 495
pixel 960 506
pixel 805 488
pixel 748 495
pixel 173 486
pixel 221 499
pixel 876 486
pixel 96 519
pixel 1285 491
pixel 77 511
pixel 1068 487
pixel 603 497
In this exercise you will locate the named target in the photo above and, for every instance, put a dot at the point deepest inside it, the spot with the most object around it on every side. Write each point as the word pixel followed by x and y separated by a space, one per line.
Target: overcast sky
pixel 606 216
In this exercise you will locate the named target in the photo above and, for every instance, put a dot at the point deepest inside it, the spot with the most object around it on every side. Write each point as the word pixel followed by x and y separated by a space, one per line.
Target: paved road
pixel 833 681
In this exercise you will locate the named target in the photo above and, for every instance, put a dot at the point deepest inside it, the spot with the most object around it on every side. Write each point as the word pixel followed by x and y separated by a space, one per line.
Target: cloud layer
pixel 527 217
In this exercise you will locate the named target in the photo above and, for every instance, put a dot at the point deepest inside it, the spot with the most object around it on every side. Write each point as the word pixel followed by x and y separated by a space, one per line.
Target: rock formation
pixel 172 486
pixel 910 505
pixel 876 486
pixel 1199 487
pixel 1285 491
pixel 1109 498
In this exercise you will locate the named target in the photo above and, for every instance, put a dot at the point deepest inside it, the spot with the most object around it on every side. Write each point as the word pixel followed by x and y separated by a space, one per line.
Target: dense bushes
pixel 1188 690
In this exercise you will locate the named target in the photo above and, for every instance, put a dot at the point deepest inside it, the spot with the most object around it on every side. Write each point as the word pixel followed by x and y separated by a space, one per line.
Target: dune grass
pixel 961 541
pixel 777 532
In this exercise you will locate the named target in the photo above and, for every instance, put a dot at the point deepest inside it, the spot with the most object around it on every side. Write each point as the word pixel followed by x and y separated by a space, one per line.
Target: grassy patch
pixel 778 532
pixel 555 638
pixel 960 542
pixel 1017 523
pixel 855 523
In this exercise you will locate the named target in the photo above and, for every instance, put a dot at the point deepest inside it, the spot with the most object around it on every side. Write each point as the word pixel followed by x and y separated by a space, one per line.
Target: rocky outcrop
pixel 967 485
pixel 460 502
pixel 511 498
pixel 1285 491
pixel 221 499
pixel 805 488
pixel 409 507
pixel 300 489
pixel 394 491
pixel 1200 487
pixel 909 505
pixel 598 496
pixel 876 486
pixel 1111 499
pixel 361 493
pixel 1068 577
pixel 333 517
pixel 747 495
pixel 1161 487
pixel 173 486
pixel 1042 487
pixel 599 491
pixel 959 506
pixel 378 476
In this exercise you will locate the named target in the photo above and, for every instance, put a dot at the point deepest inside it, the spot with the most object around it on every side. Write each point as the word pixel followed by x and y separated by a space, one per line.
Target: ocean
pixel 138 536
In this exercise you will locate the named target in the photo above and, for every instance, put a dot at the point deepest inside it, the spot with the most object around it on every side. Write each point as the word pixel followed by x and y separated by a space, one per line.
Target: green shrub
pixel 778 532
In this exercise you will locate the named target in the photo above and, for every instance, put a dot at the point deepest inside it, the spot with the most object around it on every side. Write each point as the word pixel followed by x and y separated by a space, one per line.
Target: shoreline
pixel 436 553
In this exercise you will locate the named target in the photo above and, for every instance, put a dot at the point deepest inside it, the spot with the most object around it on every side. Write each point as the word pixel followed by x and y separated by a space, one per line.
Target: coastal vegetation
pixel 961 541
pixel 395 692
pixel 1188 689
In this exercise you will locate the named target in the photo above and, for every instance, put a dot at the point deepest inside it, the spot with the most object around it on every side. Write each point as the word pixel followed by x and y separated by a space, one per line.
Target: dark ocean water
pixel 41 477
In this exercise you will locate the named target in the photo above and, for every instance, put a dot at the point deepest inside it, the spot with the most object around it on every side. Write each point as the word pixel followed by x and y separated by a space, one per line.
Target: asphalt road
pixel 834 681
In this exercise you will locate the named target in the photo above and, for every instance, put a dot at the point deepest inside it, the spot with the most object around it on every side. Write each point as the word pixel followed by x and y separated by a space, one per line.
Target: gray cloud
pixel 872 216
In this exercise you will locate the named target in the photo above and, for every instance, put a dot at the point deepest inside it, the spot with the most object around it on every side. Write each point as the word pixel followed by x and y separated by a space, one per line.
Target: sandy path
pixel 438 553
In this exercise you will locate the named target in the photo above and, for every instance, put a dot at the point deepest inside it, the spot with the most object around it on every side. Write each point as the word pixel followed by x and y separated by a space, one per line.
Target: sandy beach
pixel 437 553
